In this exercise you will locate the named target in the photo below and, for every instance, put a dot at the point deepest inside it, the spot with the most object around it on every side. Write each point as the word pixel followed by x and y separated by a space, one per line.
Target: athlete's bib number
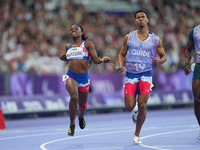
pixel 75 53
pixel 139 67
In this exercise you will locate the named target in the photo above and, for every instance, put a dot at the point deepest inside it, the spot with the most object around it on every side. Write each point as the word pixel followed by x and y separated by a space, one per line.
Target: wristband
pixel 185 65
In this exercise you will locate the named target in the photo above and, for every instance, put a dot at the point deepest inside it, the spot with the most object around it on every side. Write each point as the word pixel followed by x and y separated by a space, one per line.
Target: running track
pixel 171 129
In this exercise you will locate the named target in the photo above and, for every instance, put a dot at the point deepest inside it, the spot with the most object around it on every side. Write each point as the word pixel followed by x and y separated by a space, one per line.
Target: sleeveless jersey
pixel 77 52
pixel 139 53
pixel 196 36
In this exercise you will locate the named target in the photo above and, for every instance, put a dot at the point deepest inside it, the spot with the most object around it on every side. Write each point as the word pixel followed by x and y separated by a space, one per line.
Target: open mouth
pixel 73 33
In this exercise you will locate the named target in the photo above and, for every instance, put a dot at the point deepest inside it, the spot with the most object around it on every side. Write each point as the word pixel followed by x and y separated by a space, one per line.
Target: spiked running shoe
pixel 71 130
pixel 135 113
pixel 134 116
pixel 136 140
pixel 82 123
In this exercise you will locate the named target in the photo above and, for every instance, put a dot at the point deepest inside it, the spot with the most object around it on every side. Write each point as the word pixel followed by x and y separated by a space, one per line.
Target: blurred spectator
pixel 32 32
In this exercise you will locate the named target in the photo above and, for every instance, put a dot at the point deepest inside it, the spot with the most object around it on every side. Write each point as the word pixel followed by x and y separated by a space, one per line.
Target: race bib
pixel 75 53
pixel 65 77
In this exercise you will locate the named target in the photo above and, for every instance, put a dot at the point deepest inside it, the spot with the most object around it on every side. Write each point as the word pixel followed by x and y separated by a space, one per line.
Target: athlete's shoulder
pixel 191 38
pixel 89 43
pixel 133 32
pixel 130 34
pixel 126 37
pixel 152 33
pixel 191 32
pixel 197 26
pixel 67 46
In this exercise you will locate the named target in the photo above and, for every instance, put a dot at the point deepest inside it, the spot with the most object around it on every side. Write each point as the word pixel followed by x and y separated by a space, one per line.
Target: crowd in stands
pixel 32 32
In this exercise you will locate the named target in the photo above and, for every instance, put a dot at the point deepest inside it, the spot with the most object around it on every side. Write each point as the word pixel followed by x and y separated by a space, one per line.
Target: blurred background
pixel 33 32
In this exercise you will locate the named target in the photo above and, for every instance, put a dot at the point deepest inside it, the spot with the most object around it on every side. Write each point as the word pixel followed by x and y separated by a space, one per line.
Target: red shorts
pixel 136 84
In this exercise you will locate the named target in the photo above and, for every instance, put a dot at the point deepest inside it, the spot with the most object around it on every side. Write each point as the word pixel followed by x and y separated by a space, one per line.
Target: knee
pixel 197 101
pixel 197 97
pixel 83 106
pixel 142 107
pixel 74 98
pixel 129 108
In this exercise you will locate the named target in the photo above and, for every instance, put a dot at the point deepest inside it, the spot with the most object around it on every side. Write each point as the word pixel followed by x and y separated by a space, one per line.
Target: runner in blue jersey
pixel 194 41
pixel 78 55
pixel 139 51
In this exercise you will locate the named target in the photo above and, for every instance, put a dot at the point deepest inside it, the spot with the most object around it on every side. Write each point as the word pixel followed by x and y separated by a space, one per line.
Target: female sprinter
pixel 78 55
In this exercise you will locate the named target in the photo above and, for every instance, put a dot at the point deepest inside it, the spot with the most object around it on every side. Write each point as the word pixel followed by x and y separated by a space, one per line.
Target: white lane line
pixel 115 132
pixel 25 136
pixel 81 136
pixel 154 147
pixel 173 146
pixel 58 131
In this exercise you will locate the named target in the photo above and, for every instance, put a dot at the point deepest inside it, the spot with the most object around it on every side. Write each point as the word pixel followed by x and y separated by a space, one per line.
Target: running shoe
pixel 82 123
pixel 136 140
pixel 135 113
pixel 134 116
pixel 71 130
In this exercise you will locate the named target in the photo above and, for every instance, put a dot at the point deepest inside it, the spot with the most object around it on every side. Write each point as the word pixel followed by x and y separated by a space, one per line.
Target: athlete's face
pixel 75 31
pixel 141 19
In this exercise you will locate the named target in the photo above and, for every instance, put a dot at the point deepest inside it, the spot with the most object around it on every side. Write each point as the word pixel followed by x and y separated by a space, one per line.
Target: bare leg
pixel 82 103
pixel 130 102
pixel 142 100
pixel 82 108
pixel 196 93
pixel 72 88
